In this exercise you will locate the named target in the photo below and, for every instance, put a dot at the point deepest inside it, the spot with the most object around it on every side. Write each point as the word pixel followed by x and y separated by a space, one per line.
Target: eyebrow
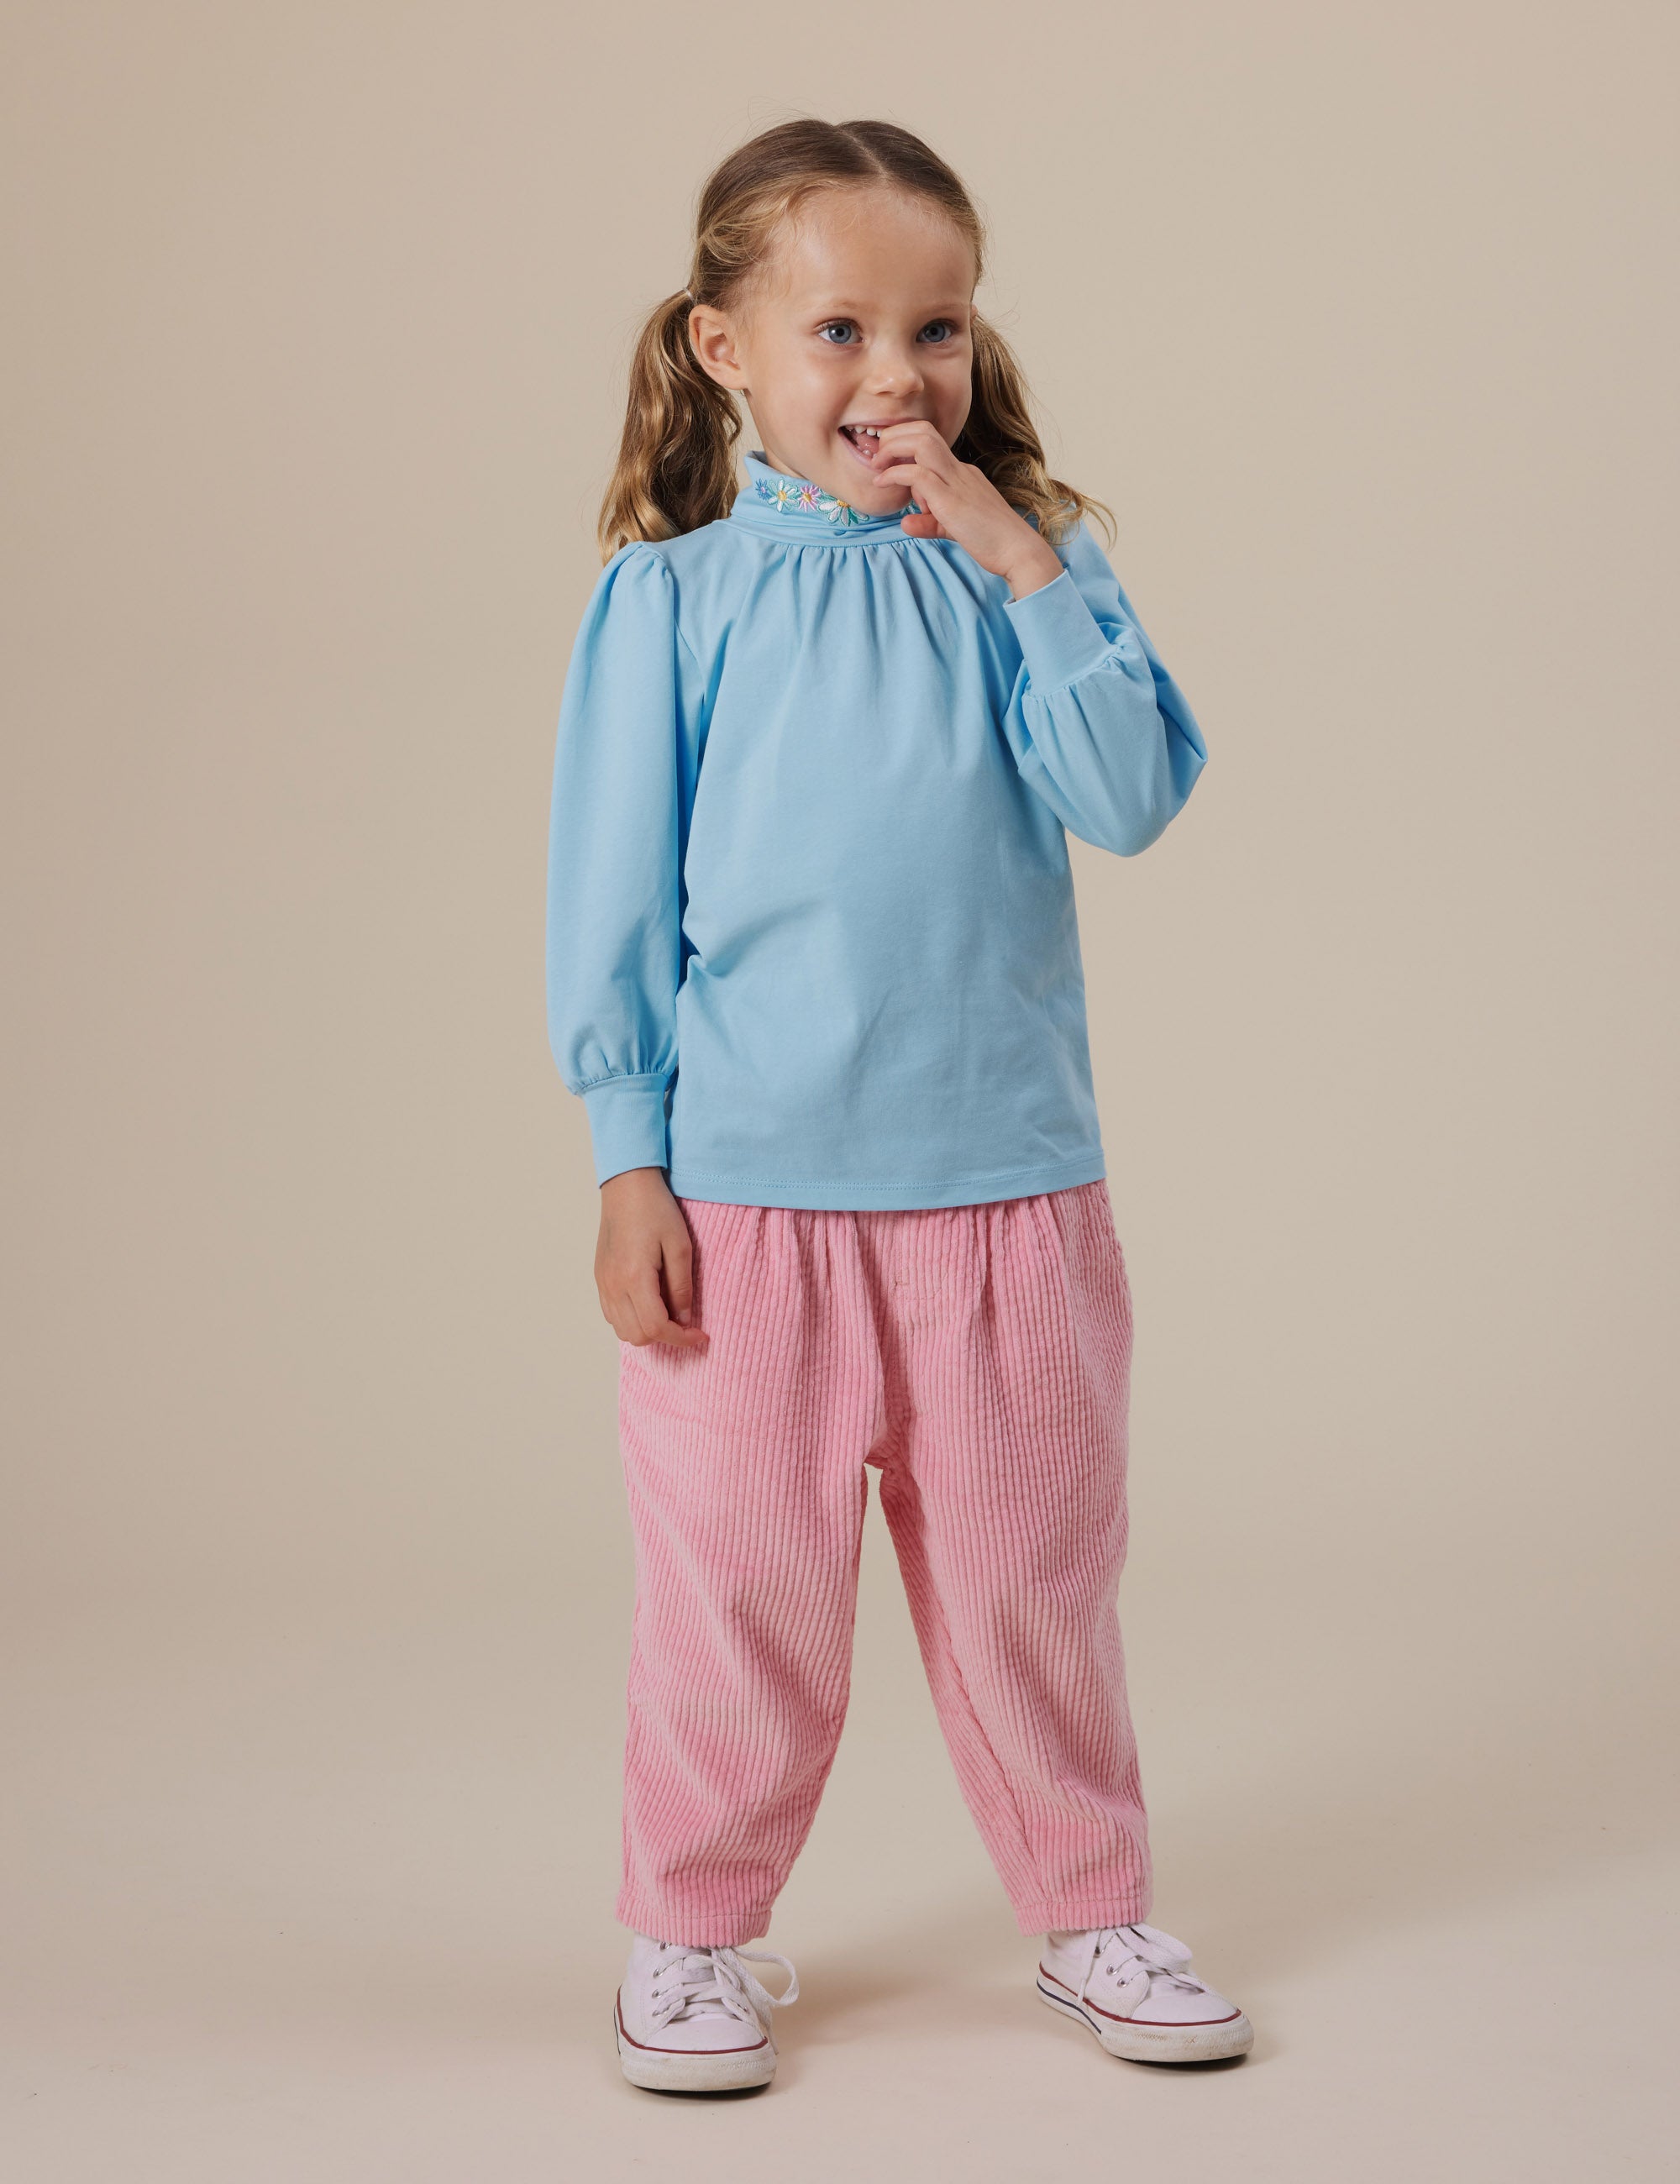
pixel 844 304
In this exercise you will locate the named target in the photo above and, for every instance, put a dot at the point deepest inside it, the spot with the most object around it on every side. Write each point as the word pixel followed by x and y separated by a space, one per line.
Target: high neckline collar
pixel 795 509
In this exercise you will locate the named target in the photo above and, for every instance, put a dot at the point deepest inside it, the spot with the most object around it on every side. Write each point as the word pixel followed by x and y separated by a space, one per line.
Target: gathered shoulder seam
pixel 652 547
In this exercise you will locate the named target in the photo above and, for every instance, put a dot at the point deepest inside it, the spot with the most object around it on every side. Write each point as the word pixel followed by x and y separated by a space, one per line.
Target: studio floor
pixel 336 1904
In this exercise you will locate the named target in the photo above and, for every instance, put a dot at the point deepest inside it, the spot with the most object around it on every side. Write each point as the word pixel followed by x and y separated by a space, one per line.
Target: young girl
pixel 814 970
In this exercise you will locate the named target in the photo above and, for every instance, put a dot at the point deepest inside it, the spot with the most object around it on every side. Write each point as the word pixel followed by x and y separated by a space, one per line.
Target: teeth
pixel 868 429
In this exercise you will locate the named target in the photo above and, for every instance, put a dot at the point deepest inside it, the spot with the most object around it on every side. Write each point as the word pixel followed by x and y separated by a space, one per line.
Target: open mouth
pixel 865 442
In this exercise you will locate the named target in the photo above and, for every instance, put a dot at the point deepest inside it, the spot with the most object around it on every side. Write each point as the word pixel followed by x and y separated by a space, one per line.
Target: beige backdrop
pixel 317 1570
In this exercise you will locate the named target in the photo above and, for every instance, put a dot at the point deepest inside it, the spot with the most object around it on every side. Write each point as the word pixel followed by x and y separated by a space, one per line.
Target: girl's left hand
pixel 961 502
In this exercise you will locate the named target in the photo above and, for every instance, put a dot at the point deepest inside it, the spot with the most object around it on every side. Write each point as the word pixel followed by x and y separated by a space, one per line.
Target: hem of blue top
pixel 850 1197
pixel 1060 639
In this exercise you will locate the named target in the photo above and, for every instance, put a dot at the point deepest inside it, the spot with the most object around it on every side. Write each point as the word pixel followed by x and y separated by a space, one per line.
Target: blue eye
pixel 951 331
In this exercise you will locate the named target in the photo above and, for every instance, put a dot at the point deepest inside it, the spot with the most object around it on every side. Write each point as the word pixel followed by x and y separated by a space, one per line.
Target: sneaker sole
pixel 1158 2043
pixel 668 2070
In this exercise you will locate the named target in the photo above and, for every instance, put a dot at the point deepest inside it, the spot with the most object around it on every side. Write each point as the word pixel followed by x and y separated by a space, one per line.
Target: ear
pixel 712 337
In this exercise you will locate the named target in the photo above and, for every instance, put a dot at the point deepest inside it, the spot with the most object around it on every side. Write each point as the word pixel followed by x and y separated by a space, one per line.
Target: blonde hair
pixel 675 467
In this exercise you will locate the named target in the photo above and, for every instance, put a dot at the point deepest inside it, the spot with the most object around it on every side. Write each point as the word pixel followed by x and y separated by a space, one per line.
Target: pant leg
pixel 1006 1500
pixel 744 1470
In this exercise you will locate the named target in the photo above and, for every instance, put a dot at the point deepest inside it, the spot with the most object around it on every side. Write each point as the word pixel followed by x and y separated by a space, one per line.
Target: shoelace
pixel 713 1981
pixel 1145 1955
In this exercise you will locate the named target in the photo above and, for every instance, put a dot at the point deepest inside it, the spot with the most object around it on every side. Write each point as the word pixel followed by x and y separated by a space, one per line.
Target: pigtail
pixel 676 457
pixel 999 439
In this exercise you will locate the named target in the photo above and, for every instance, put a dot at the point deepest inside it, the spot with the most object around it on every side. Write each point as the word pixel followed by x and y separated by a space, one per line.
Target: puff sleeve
pixel 1098 725
pixel 614 945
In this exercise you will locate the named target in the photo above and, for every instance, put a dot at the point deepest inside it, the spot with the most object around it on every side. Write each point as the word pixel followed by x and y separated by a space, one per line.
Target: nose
pixel 896 372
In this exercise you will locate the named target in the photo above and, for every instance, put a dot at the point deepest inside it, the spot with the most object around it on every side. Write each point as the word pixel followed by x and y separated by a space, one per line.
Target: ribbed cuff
pixel 1059 637
pixel 627 1122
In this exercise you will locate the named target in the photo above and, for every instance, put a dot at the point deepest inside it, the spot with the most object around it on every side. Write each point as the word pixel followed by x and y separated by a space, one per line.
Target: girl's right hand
pixel 643 1234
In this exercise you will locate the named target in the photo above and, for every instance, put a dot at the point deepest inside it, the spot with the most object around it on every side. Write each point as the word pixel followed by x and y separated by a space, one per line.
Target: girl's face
pixel 861 318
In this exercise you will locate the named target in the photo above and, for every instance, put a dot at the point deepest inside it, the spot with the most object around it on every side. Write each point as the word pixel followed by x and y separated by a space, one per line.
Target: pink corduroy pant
pixel 979 1358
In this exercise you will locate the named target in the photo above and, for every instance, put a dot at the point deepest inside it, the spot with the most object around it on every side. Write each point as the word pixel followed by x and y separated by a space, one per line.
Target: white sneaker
pixel 1132 1985
pixel 695 2020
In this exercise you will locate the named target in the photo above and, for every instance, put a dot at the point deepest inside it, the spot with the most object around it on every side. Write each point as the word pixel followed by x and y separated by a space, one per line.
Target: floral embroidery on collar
pixel 801 494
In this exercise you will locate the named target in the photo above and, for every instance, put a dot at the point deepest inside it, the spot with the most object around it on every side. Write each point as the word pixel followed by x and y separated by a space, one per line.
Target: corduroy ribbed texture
pixel 979 1356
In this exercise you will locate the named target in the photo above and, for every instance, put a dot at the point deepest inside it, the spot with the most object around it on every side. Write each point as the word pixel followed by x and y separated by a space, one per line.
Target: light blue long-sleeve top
pixel 812 934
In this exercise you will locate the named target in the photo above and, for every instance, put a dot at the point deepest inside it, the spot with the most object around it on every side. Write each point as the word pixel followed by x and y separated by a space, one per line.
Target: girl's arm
pixel 1098 725
pixel 614 938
